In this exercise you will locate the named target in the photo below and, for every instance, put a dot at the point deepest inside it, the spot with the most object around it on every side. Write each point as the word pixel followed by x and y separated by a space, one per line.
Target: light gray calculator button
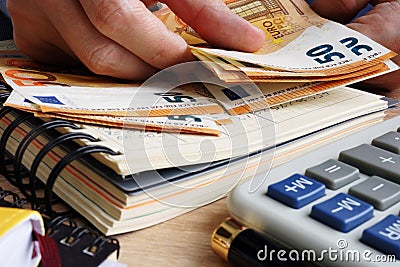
pixel 334 174
pixel 389 141
pixel 373 161
pixel 377 191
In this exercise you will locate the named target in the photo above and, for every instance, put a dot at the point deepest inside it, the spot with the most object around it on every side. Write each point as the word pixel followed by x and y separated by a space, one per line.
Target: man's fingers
pixel 125 40
pixel 131 24
pixel 382 24
pixel 33 43
pixel 99 53
pixel 218 25
pixel 342 11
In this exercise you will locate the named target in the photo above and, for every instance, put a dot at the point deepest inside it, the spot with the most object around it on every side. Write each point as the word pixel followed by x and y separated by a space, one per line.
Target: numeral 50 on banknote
pixel 324 53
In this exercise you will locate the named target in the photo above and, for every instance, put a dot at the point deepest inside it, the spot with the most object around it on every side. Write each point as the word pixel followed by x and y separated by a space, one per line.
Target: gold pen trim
pixel 223 236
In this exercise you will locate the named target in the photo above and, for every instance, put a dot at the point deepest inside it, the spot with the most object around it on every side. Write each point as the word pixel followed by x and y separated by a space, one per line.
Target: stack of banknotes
pixel 303 54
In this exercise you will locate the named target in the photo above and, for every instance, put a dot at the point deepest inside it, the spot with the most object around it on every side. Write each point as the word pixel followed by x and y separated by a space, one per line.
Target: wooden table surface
pixel 185 240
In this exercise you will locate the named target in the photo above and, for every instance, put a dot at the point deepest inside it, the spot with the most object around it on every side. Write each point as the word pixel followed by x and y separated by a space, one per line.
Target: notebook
pixel 17 246
pixel 27 238
pixel 88 168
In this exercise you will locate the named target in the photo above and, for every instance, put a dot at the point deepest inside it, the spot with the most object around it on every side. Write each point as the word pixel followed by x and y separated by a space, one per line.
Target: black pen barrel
pixel 252 249
pixel 246 247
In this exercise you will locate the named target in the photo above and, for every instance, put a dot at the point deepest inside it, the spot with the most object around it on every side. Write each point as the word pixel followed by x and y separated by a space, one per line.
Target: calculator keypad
pixel 346 211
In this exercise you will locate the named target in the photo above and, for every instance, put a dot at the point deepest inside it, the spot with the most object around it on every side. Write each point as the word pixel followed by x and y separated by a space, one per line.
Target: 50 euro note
pixel 121 102
pixel 278 19
pixel 297 40
pixel 71 91
pixel 190 124
pixel 183 124
pixel 250 94
pixel 246 97
pixel 322 45
pixel 232 71
pixel 332 49
pixel 303 52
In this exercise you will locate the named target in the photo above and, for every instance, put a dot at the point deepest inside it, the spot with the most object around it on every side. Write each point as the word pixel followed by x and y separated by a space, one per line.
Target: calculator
pixel 337 205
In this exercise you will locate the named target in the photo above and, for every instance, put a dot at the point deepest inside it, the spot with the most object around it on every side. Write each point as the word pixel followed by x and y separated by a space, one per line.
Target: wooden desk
pixel 183 241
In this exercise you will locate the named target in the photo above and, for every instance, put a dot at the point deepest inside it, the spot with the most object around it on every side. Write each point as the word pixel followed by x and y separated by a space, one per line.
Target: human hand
pixel 382 24
pixel 122 38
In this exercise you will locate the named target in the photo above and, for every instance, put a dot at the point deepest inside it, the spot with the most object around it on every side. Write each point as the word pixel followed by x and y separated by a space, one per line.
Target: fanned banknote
pixel 68 92
pixel 303 54
pixel 293 29
pixel 190 124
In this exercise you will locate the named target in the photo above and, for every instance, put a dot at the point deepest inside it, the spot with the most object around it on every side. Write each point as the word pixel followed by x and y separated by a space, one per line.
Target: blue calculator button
pixel 342 212
pixel 384 236
pixel 296 191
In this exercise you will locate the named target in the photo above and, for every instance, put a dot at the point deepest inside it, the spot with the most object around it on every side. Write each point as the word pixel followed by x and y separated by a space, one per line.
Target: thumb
pixel 218 25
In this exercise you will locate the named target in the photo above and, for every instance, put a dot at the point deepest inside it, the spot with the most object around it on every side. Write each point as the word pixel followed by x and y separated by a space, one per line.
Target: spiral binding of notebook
pixel 78 245
pixel 11 199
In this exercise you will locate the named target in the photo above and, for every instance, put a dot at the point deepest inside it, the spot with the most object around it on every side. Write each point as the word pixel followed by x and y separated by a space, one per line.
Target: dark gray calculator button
pixel 334 174
pixel 389 141
pixel 373 161
pixel 377 191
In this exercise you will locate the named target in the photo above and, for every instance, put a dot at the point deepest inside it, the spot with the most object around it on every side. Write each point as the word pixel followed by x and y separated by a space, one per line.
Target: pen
pixel 244 247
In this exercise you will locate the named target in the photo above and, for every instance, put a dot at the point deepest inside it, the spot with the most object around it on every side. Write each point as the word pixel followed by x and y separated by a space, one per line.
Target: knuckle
pixel 101 60
pixel 107 14
pixel 110 16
